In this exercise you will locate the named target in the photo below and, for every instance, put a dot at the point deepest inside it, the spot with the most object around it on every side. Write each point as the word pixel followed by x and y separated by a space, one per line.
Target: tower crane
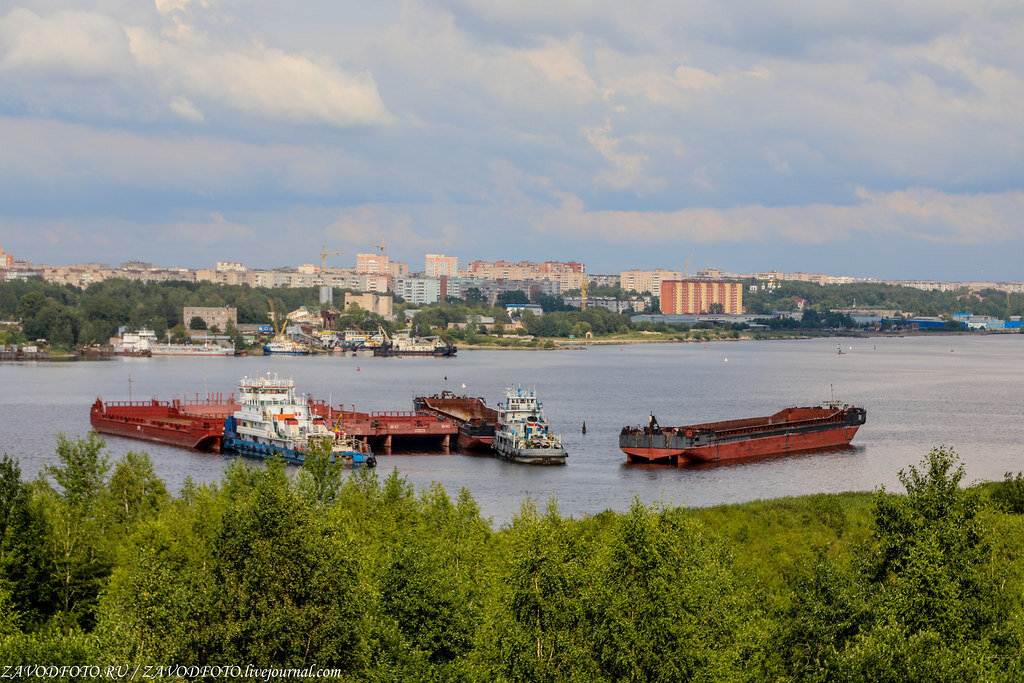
pixel 382 246
pixel 273 320
pixel 323 258
pixel 687 265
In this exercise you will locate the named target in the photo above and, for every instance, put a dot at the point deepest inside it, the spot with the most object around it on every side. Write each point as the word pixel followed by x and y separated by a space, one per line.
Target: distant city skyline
pixel 871 139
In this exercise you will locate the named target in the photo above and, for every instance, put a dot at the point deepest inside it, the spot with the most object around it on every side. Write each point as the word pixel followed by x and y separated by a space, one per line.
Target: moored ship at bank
pixel 144 343
pixel 791 430
pixel 196 422
pixel 272 423
pixel 286 347
pixel 475 419
pixel 413 346
pixel 522 434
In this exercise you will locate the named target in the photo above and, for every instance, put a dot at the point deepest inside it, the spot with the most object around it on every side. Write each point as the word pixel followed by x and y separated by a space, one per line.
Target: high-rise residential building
pixel 373 264
pixel 646 280
pixel 525 270
pixel 439 264
pixel 6 260
pixel 693 297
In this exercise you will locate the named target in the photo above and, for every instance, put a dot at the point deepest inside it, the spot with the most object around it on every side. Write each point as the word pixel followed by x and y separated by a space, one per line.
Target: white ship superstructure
pixel 522 434
pixel 272 422
pixel 145 340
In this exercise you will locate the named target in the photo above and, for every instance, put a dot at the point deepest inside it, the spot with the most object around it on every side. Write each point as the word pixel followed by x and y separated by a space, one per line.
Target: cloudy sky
pixel 880 138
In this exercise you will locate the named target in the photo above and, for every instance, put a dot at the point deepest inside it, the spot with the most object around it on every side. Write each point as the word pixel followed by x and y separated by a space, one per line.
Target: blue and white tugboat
pixel 522 433
pixel 272 423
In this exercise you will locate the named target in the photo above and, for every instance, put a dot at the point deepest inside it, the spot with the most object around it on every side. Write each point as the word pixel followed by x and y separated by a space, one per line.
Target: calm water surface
pixel 962 392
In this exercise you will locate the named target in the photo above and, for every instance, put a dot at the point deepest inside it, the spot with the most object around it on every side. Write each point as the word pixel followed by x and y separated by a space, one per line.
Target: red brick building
pixel 693 297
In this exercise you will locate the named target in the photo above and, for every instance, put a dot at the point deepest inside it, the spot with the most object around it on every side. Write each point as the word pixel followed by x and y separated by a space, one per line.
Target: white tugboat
pixel 271 423
pixel 522 433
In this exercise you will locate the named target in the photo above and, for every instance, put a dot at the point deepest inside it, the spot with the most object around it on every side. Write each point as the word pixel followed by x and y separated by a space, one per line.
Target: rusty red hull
pixel 391 428
pixel 197 424
pixel 475 419
pixel 793 430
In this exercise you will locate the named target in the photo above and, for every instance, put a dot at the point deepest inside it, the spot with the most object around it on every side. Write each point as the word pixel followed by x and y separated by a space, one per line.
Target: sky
pixel 873 138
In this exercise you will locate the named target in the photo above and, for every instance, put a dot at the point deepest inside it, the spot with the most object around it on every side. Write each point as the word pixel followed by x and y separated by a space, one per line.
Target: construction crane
pixel 273 320
pixel 687 265
pixel 323 257
pixel 382 246
pixel 583 291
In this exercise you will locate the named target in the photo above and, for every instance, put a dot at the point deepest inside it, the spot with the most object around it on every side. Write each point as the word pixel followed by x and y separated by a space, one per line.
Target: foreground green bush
pixel 101 566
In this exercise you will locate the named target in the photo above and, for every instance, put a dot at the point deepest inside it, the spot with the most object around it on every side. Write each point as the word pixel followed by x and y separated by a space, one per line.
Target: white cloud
pixel 263 81
pixel 68 44
pixel 921 214
pixel 626 170
pixel 210 232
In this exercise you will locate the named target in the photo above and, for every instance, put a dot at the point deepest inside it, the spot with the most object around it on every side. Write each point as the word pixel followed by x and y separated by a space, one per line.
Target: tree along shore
pixel 102 566
pixel 67 316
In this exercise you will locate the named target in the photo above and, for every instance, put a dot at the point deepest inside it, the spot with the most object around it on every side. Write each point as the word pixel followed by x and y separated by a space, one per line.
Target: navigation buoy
pixel 584 426
pixel 357 368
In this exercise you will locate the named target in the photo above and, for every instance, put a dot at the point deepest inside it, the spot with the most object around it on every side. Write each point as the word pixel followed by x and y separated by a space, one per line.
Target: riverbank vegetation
pixel 67 316
pixel 101 565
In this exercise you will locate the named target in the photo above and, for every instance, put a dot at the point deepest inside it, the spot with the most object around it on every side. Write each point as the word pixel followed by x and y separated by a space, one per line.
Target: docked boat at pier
pixel 790 430
pixel 476 420
pixel 413 346
pixel 522 434
pixel 271 422
pixel 144 343
pixel 286 347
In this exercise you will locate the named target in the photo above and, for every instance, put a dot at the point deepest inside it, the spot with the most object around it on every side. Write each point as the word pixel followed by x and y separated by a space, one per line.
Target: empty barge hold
pixel 790 430
pixel 196 423
pixel 390 428
pixel 475 420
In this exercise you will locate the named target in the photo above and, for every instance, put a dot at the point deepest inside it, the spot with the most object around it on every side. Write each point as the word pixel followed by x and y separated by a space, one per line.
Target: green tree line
pixel 66 315
pixel 989 302
pixel 101 565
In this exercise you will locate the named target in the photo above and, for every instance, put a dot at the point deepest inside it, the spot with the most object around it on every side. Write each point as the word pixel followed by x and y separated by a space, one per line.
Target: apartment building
pixel 219 316
pixel 646 280
pixel 693 297
pixel 439 264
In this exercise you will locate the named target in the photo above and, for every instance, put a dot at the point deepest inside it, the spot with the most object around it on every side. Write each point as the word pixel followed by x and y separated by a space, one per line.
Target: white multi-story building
pixel 418 290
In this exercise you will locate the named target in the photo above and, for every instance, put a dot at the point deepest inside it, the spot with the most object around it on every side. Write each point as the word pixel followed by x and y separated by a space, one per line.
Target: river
pixel 920 392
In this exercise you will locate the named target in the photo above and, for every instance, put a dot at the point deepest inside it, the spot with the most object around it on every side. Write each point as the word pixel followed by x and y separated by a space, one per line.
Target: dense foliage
pixel 100 565
pixel 888 297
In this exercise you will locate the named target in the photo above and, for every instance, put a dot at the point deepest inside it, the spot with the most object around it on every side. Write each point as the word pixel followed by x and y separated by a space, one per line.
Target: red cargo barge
pixel 385 429
pixel 475 420
pixel 788 431
pixel 196 423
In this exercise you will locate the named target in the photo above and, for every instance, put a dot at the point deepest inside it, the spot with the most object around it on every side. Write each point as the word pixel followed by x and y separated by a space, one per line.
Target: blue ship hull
pixel 268 352
pixel 232 443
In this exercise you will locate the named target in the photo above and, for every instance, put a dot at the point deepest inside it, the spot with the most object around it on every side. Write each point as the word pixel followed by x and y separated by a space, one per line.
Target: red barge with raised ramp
pixel 791 430
pixel 476 421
